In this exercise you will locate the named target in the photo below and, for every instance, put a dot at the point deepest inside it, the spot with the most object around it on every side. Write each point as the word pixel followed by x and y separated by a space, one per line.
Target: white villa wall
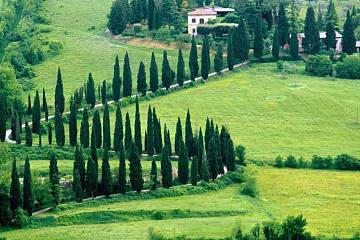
pixel 192 26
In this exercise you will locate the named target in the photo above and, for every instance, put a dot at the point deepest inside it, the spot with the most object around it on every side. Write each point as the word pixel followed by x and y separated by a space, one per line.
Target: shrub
pixel 347 162
pixel 21 219
pixel 280 65
pixel 279 162
pixel 349 68
pixel 240 154
pixel 318 162
pixel 216 29
pixel 319 65
pixel 250 188
pixel 291 162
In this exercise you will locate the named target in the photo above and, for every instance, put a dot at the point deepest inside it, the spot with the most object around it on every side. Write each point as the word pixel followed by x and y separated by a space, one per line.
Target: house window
pixel 201 21
pixel 193 20
pixel 193 30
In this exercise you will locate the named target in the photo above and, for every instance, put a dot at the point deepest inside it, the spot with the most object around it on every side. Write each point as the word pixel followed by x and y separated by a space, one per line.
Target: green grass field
pixel 327 199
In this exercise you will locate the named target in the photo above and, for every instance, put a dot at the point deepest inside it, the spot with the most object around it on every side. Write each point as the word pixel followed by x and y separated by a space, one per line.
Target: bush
pixel 347 162
pixel 291 162
pixel 279 162
pixel 349 68
pixel 21 219
pixel 319 65
pixel 240 154
pixel 216 29
pixel 250 188
pixel 318 162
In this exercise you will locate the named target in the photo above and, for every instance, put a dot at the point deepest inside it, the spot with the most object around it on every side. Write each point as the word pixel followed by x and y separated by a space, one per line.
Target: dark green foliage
pixel 230 156
pixel 141 80
pixel 28 198
pixel 348 40
pixel 279 163
pixel 330 40
pixel 230 52
pixel 180 74
pixel 59 129
pixel 17 127
pixel 93 151
pixel 116 82
pixel 150 14
pixel 208 134
pixel 183 172
pixel 178 136
pixel 122 169
pixel 218 149
pixel 29 108
pixel 40 141
pixel 311 42
pixel 167 143
pixel 154 74
pixel 283 25
pixel 50 133
pixel 205 59
pixel 157 133
pixel 59 94
pixel 199 151
pixel 166 72
pixel 106 128
pixel 349 68
pixel 54 181
pixel 127 77
pixel 136 179
pixel 90 91
pixel 294 228
pixel 212 158
pixel 224 138
pixel 218 61
pixel 5 213
pixel 118 133
pixel 166 169
pixel 118 17
pixel 106 179
pixel 150 133
pixel 128 135
pixel 290 162
pixel 2 119
pixel 36 114
pixel 84 129
pixel 243 33
pixel 103 92
pixel 275 45
pixel 15 193
pixel 79 164
pixel 194 171
pixel 319 65
pixel 205 173
pixel 137 128
pixel 240 154
pixel 77 187
pixel 97 129
pixel 294 45
pixel 45 106
pixel 153 175
pixel 91 177
pixel 258 38
pixel 73 124
pixel 193 60
pixel 331 15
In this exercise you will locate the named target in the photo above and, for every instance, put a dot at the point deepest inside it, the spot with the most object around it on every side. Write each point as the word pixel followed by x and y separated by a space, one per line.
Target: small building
pixel 322 35
pixel 203 15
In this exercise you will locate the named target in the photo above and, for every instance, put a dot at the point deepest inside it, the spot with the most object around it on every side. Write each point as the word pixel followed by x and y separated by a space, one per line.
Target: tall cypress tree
pixel 189 137
pixel 275 45
pixel 137 128
pixel 118 133
pixel 150 14
pixel 122 169
pixel 212 157
pixel 93 152
pixel 224 138
pixel 199 151
pixel 91 177
pixel 218 61
pixel 127 77
pixel 103 92
pixel 157 133
pixel 50 133
pixel 84 129
pixel 141 80
pixel 3 118
pixel 205 173
pixel 45 106
pixel 258 39
pixel 193 60
pixel 77 186
pixel 220 168
pixel 54 181
pixel 349 40
pixel 183 171
pixel 128 135
pixel 73 123
pixel 17 128
pixel 311 42
pixel 244 40
pixel 106 179
pixel 205 66
pixel 194 171
pixel 59 129
pixel 29 108
pixel 208 134
pixel 90 91
pixel 230 51
pixel 116 83
pixel 331 15
pixel 330 40
pixel 97 128
pixel 153 175
pixel 166 72
pixel 36 114
pixel 59 93
pixel 150 134
pixel 154 75
pixel 166 169
pixel 136 179
pixel 294 45
pixel 118 17
pixel 28 198
pixel 79 164
pixel 178 136
pixel 15 193
pixel 106 128
pixel 230 155
pixel 180 74
pixel 28 135
pixel 283 25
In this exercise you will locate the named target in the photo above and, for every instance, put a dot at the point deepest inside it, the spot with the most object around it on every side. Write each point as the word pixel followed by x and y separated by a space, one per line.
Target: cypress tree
pixel 91 177
pixel 258 39
pixel 218 61
pixel 230 155
pixel 103 92
pixel 59 94
pixel 183 171
pixel 193 60
pixel 205 55
pixel 137 128
pixel 90 91
pixel 205 168
pixel 45 106
pixel 136 179
pixel 349 40
pixel 93 152
pixel 40 141
pixel 275 45
pixel 127 77
pixel 17 128
pixel 208 134
pixel 244 40
pixel 230 52
pixel 84 129
pixel 118 17
pixel 15 193
pixel 150 14
pixel 150 133
pixel 28 135
pixel 54 181
pixel 294 45
pixel 166 169
pixel 122 169
pixel 212 157
pixel 141 80
pixel 330 40
pixel 99 91
pixel 283 25
pixel 167 141
pixel 13 124
pixel 106 128
pixel 2 118
pixel 116 83
pixel 128 135
pixel 97 129
pixel 235 41
pixel 166 72
pixel 178 136
pixel 331 15
pixel 49 133
pixel 157 133
pixel 180 74
pixel 145 140
pixel 189 138
pixel 154 75
pixel 118 133
pixel 157 17
pixel 77 187
pixel 224 138
pixel 73 124
pixel 218 149
pixel 194 171
pixel 153 175
pixel 200 151
pixel 36 114
pixel 29 108
pixel 28 199
pixel 106 179
pixel 311 42
pixel 79 164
